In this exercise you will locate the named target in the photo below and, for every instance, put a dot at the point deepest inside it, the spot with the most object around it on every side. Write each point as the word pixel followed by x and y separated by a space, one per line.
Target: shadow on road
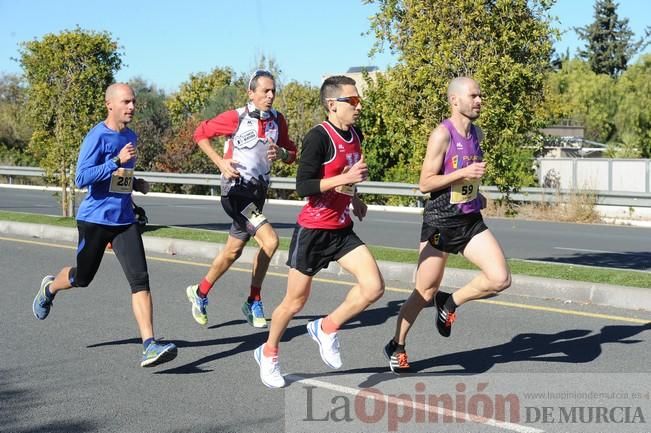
pixel 637 260
pixel 249 342
pixel 574 346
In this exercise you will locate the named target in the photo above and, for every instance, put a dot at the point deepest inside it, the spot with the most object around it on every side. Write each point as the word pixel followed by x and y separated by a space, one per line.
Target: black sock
pixel 397 347
pixel 450 305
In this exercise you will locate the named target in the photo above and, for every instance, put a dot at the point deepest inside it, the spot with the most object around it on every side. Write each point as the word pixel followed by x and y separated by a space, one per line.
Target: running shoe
pixel 444 318
pixel 254 314
pixel 398 362
pixel 158 353
pixel 41 305
pixel 198 305
pixel 328 344
pixel 269 369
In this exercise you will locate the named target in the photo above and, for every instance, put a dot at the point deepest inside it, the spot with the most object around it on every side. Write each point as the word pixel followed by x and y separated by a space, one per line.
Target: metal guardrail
pixel 607 198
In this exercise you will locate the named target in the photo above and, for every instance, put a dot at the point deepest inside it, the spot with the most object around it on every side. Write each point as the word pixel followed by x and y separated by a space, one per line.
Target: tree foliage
pixel 14 129
pixel 609 40
pixel 505 45
pixel 67 75
pixel 302 109
pixel 633 118
pixel 196 93
pixel 578 95
pixel 151 122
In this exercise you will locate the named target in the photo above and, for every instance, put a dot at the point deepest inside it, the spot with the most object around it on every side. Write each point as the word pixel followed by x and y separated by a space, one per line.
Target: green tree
pixel 505 45
pixel 609 40
pixel 195 94
pixel 15 131
pixel 151 122
pixel 577 94
pixel 633 118
pixel 302 109
pixel 67 75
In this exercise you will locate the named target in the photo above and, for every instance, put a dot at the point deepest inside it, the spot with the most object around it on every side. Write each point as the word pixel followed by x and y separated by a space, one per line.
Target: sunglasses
pixel 352 100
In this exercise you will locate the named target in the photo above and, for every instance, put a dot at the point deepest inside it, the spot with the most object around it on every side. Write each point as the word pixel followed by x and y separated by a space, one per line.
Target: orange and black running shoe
pixel 444 317
pixel 398 362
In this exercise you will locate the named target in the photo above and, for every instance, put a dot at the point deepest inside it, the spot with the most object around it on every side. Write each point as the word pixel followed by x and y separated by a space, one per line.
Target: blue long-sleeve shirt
pixel 94 170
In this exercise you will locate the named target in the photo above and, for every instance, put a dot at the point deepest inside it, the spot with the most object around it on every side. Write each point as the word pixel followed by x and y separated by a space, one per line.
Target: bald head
pixel 116 89
pixel 120 104
pixel 459 85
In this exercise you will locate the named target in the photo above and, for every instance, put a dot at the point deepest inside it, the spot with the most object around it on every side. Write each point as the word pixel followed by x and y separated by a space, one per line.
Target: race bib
pixel 247 139
pixel 464 192
pixel 253 215
pixel 346 189
pixel 122 181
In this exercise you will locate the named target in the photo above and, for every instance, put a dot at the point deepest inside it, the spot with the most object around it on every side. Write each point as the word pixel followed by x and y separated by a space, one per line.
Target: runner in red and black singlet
pixel 452 222
pixel 256 136
pixel 331 164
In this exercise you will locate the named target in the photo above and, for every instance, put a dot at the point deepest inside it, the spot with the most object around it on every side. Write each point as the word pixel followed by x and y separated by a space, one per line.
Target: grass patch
pixel 522 267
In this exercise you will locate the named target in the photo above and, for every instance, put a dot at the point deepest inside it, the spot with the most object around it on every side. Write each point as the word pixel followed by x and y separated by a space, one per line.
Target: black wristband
pixel 117 162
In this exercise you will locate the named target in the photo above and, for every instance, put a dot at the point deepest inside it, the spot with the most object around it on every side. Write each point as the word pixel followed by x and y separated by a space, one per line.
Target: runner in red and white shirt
pixel 330 166
pixel 256 137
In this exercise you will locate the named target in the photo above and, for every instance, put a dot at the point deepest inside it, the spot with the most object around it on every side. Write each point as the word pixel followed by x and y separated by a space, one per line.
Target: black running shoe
pixel 398 362
pixel 444 318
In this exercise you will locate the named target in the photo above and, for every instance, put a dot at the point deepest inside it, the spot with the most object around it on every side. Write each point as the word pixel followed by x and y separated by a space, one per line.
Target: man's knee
pixel 270 245
pixel 139 282
pixel 294 306
pixel 373 288
pixel 500 282
pixel 79 280
pixel 232 252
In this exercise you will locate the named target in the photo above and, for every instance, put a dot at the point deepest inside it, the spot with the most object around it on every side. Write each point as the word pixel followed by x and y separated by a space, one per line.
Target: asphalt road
pixel 78 371
pixel 584 244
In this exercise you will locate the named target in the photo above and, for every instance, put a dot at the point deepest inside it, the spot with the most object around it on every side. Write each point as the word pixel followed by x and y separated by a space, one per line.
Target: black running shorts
pixel 454 238
pixel 127 245
pixel 313 249
pixel 243 202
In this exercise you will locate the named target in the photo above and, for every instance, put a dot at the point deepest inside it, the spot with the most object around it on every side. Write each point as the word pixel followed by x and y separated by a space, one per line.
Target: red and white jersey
pixel 247 140
pixel 330 210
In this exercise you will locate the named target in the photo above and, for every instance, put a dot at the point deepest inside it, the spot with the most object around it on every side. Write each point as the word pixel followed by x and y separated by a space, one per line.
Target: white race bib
pixel 464 192
pixel 253 215
pixel 246 139
pixel 348 189
pixel 122 181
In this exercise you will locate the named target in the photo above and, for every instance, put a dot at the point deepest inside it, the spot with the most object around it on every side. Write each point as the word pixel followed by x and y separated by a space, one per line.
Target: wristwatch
pixel 117 162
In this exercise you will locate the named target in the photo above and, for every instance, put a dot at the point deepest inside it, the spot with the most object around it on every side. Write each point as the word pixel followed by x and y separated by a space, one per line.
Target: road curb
pixel 633 298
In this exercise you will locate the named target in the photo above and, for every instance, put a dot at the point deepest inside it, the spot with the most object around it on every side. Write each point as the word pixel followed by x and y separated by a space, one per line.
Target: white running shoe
pixel 269 369
pixel 328 344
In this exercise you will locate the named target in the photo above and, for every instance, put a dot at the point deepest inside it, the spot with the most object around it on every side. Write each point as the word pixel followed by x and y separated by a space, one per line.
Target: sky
pixel 164 41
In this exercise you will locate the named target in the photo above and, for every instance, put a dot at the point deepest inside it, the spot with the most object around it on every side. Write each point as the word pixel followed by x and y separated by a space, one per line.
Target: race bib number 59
pixel 122 181
pixel 464 192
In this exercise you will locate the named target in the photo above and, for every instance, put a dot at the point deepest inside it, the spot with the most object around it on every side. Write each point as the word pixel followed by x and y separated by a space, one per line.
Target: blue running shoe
pixel 158 353
pixel 254 314
pixel 41 305
pixel 199 305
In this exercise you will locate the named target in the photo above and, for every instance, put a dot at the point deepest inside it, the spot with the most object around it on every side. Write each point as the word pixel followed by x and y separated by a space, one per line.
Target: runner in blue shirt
pixel 106 161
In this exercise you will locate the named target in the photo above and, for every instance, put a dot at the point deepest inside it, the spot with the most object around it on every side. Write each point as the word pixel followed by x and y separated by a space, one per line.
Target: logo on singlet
pixel 459 146
pixel 455 161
